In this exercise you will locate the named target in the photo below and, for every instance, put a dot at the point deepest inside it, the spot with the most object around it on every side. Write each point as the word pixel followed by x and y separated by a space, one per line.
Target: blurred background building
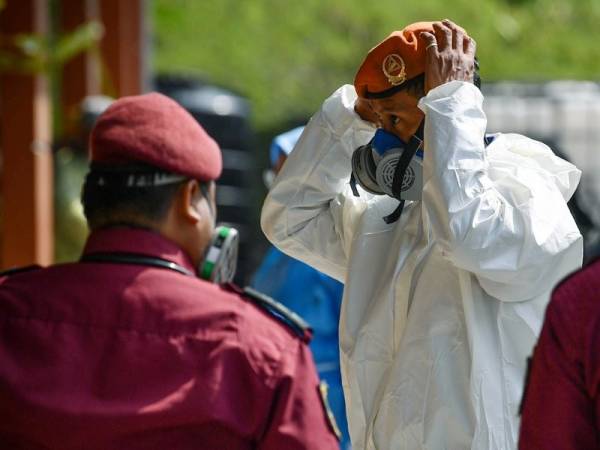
pixel 247 70
pixel 566 116
pixel 53 54
pixel 62 63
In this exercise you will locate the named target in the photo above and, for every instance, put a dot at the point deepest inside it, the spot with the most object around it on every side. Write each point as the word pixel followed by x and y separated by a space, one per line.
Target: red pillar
pixel 122 46
pixel 25 134
pixel 80 75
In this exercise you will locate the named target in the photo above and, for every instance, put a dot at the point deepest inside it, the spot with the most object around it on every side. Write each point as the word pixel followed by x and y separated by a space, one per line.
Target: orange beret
pixel 155 130
pixel 399 57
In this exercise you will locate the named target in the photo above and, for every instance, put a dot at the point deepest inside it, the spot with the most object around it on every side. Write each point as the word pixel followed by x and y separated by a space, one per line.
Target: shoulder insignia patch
pixel 283 314
pixel 323 392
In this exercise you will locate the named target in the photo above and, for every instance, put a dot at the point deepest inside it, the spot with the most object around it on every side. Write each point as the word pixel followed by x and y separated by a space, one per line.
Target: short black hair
pixel 416 86
pixel 112 203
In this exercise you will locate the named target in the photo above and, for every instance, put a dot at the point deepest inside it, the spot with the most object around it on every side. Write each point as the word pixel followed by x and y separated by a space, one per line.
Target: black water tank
pixel 226 117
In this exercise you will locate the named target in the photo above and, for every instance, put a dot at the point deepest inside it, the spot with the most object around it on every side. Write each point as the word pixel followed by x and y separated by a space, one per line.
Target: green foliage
pixel 287 56
pixel 70 228
pixel 32 53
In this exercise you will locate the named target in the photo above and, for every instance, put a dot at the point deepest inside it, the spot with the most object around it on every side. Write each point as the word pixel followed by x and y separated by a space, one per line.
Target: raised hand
pixel 450 55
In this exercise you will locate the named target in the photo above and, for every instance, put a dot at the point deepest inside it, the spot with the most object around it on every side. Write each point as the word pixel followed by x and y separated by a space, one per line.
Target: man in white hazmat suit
pixel 443 299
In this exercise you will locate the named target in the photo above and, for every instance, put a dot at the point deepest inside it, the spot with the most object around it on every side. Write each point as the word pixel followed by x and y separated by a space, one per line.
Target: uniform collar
pixel 141 241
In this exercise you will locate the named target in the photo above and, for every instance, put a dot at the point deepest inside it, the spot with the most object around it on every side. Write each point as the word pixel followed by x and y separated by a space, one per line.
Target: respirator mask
pixel 220 257
pixel 389 166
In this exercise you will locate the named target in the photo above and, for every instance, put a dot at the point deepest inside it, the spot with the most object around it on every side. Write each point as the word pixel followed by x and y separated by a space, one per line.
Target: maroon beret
pixel 155 130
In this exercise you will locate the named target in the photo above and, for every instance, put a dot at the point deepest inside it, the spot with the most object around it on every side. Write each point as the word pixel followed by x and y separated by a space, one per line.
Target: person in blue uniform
pixel 311 294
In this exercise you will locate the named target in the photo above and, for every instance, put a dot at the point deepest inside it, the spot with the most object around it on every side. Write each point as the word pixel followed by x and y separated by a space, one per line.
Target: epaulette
pixel 16 270
pixel 285 315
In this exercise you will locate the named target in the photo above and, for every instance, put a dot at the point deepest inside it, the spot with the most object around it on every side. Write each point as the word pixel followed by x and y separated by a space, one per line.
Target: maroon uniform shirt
pixel 122 356
pixel 561 406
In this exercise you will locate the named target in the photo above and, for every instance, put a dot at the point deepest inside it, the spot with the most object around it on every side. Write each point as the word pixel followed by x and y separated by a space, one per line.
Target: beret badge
pixel 394 69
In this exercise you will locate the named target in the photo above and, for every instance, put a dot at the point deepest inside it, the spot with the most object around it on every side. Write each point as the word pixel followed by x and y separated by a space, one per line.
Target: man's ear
pixel 190 200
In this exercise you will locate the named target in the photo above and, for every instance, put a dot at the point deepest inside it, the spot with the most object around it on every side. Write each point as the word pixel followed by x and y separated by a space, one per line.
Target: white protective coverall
pixel 441 308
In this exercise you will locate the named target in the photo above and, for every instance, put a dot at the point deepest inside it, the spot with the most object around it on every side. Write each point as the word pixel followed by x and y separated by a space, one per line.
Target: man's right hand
pixel 450 55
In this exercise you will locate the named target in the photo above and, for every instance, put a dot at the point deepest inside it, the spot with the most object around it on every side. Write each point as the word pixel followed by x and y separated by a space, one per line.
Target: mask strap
pixel 395 215
pixel 413 146
pixel 353 185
